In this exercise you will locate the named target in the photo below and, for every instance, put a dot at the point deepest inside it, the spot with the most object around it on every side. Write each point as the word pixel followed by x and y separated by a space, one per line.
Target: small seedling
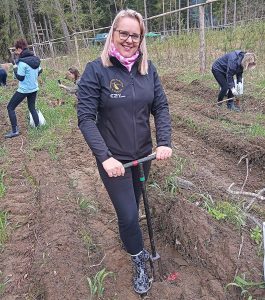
pixel 256 235
pixel 245 286
pixel 88 241
pixel 171 182
pixel 2 184
pixel 225 210
pixel 96 284
pixel 3 228
pixel 87 205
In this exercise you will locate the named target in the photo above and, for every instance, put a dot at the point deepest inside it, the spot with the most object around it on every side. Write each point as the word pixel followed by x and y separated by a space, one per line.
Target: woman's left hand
pixel 163 152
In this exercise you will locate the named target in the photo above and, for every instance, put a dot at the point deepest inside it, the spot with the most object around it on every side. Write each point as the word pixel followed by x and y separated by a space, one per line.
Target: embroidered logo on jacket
pixel 116 87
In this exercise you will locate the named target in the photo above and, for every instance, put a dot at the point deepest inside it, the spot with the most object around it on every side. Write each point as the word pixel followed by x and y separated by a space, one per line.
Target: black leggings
pixel 15 101
pixel 221 79
pixel 125 192
pixel 3 76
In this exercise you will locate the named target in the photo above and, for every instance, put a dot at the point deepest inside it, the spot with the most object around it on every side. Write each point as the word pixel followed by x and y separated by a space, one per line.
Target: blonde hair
pixel 143 64
pixel 249 61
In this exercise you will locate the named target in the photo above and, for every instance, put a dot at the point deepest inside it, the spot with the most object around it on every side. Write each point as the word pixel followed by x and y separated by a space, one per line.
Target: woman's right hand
pixel 113 167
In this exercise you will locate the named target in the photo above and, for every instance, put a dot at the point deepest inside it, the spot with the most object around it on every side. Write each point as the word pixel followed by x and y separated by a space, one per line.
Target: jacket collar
pixel 25 53
pixel 117 63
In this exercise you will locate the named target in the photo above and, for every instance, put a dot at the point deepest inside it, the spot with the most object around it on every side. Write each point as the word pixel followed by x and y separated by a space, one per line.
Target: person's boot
pixel 231 106
pixel 141 282
pixel 12 133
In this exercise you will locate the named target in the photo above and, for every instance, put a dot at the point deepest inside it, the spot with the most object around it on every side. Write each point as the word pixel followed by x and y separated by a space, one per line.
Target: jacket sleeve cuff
pixel 104 157
pixel 166 144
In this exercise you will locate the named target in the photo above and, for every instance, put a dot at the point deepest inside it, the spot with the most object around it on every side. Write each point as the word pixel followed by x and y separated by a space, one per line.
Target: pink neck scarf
pixel 125 61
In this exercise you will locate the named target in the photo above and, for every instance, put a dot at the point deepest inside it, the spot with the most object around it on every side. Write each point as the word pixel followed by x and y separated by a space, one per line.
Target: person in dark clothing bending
pixel 26 70
pixel 3 74
pixel 226 67
pixel 74 76
pixel 116 95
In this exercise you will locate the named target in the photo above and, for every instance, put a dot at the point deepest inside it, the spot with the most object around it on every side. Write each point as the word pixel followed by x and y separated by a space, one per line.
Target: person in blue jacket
pixel 226 67
pixel 26 70
pixel 117 93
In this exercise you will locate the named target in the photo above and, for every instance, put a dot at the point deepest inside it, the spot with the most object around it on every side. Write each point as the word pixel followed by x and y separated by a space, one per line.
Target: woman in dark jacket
pixel 116 95
pixel 226 67
pixel 26 70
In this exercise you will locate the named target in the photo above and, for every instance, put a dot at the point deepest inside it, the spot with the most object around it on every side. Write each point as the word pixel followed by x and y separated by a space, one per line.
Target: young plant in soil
pixel 87 205
pixel 171 182
pixel 245 286
pixel 96 284
pixel 88 241
pixel 222 210
pixel 2 184
pixel 3 228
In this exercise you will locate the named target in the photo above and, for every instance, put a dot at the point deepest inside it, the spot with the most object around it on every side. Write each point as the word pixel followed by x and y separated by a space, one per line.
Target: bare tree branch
pixel 249 194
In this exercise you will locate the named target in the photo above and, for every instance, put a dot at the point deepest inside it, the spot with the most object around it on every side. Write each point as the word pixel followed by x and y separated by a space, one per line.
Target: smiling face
pixel 126 47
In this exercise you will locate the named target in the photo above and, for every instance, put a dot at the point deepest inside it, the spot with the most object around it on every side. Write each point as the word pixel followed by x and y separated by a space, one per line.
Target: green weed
pixel 88 241
pixel 256 130
pixel 96 284
pixel 3 151
pixel 2 184
pixel 170 182
pixel 245 286
pixel 87 205
pixel 224 210
pixel 256 235
pixel 3 228
pixel 233 213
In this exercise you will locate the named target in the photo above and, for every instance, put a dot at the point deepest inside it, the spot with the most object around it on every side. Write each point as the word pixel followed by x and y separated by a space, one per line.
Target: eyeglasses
pixel 124 35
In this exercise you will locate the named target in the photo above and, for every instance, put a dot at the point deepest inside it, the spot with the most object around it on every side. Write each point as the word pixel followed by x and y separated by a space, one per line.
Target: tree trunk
pixel 92 17
pixel 145 16
pixel 171 20
pixel 179 17
pixel 164 18
pixel 115 4
pixel 50 27
pixel 225 13
pixel 211 14
pixel 46 28
pixel 31 21
pixel 202 39
pixel 188 16
pixel 234 19
pixel 63 24
pixel 18 18
pixel 73 6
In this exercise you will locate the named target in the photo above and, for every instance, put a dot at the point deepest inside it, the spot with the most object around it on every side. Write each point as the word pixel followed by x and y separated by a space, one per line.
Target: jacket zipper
pixel 133 108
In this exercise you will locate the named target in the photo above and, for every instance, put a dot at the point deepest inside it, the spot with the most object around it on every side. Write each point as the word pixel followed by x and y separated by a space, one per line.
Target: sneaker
pixel 12 133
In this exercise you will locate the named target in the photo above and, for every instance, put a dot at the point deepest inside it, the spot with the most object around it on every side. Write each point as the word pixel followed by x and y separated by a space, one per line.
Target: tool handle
pixel 135 163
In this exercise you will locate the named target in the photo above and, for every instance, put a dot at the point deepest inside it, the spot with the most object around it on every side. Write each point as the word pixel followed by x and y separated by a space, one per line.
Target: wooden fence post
pixel 202 40
pixel 77 50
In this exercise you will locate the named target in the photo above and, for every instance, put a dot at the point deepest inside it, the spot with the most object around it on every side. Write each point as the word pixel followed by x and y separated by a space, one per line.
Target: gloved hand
pixel 240 88
pixel 234 91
